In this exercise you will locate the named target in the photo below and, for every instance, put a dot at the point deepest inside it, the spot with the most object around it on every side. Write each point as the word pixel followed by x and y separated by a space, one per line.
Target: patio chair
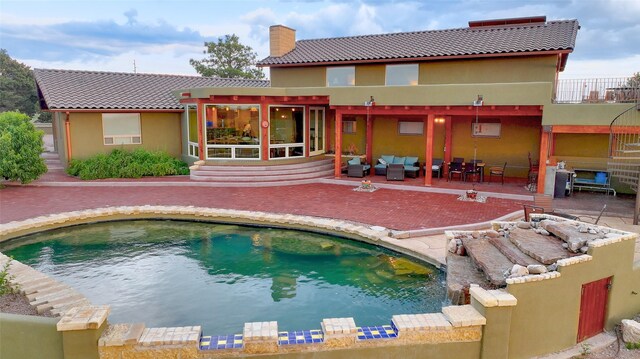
pixel 472 169
pixel 498 172
pixel 543 203
pixel 357 169
pixel 455 168
pixel 395 172
pixel 436 167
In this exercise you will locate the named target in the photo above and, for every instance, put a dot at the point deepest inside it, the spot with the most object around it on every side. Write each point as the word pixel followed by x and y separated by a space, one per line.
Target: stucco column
pixel 448 143
pixel 307 131
pixel 428 155
pixel 264 130
pixel 369 139
pixel 544 154
pixel 338 141
pixel 496 306
pixel 200 127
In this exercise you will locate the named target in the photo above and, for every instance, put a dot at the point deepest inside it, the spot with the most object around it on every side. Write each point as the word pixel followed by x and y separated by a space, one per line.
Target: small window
pixel 410 128
pixel 341 76
pixel 402 75
pixel 121 128
pixel 349 126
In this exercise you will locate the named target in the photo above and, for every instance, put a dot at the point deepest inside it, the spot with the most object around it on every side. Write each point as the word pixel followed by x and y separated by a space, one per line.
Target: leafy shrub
pixel 20 148
pixel 5 279
pixel 125 164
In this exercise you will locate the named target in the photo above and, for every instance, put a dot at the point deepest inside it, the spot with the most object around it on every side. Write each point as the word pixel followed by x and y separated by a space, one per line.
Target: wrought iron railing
pixel 604 90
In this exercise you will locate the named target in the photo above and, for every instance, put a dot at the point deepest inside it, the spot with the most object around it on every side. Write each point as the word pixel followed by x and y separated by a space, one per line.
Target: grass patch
pixel 125 164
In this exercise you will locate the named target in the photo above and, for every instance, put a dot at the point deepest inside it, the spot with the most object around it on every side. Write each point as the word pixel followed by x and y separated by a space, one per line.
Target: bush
pixel 125 164
pixel 20 148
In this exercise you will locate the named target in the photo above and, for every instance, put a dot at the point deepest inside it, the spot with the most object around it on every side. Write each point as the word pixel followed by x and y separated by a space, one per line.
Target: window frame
pixel 396 66
pixel 347 84
pixel 400 133
pixel 353 124
pixel 131 137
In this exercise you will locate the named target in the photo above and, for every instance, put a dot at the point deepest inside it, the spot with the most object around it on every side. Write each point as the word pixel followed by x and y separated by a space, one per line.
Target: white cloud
pixel 617 67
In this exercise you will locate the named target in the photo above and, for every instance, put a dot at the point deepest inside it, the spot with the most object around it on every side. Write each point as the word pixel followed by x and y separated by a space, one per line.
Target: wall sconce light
pixel 439 120
pixel 370 103
pixel 479 101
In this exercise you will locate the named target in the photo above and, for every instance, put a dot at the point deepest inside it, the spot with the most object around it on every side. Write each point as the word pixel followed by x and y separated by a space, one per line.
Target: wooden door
pixel 593 308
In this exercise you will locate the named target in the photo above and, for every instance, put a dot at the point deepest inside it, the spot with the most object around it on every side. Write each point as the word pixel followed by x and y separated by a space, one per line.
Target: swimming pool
pixel 173 273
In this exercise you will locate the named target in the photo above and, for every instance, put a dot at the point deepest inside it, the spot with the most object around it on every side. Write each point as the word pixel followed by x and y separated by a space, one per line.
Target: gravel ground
pixel 612 350
pixel 19 304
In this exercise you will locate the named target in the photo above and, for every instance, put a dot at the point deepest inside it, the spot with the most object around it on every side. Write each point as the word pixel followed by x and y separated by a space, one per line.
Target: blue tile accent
pixel 216 342
pixel 376 332
pixel 300 337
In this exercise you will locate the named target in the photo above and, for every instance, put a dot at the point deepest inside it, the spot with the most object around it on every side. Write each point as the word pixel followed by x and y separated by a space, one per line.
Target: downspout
pixel 67 130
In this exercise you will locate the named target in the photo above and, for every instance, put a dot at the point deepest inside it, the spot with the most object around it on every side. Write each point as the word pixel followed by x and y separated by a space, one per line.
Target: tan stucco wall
pixel 491 70
pixel 470 71
pixel 546 317
pixel 160 132
pixel 582 113
pixel 387 141
pixel 298 77
pixel 518 136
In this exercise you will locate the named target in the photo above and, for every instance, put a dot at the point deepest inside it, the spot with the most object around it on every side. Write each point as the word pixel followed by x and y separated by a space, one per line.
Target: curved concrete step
pixel 262 177
pixel 275 172
pixel 275 167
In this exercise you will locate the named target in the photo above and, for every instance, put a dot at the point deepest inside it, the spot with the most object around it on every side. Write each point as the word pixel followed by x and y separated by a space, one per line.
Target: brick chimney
pixel 281 40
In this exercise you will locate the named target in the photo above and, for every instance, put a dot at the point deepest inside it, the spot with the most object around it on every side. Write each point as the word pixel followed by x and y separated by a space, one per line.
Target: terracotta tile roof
pixel 472 41
pixel 69 89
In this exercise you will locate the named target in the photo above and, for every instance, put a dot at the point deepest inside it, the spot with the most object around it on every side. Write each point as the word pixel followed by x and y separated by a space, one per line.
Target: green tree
pixel 20 148
pixel 18 88
pixel 228 58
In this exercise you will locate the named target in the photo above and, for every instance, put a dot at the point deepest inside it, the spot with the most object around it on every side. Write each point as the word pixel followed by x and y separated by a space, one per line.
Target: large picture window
pixel 121 128
pixel 341 76
pixel 402 75
pixel 286 131
pixel 233 131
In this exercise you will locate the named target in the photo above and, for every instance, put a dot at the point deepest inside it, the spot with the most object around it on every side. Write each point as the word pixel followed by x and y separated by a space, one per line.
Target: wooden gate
pixel 593 308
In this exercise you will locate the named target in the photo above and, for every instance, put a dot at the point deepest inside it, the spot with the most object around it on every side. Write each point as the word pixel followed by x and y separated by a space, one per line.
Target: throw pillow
pixel 382 161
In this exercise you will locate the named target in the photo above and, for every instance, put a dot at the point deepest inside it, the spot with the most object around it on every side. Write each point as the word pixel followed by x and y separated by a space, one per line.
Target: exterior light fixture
pixel 479 101
pixel 371 102
pixel 439 120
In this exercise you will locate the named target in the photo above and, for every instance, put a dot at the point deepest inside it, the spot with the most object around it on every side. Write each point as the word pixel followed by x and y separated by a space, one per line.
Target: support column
pixel 307 131
pixel 264 127
pixel 544 154
pixel 428 155
pixel 369 140
pixel 448 140
pixel 67 131
pixel 199 117
pixel 338 138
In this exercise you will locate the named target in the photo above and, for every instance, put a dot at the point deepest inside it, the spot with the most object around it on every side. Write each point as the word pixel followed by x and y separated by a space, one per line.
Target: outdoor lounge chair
pixel 543 203
pixel 357 169
pixel 497 172
pixel 471 169
pixel 395 172
pixel 455 167
pixel 436 168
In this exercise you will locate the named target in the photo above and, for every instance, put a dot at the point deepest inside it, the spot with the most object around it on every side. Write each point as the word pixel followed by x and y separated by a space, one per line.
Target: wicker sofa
pixel 411 165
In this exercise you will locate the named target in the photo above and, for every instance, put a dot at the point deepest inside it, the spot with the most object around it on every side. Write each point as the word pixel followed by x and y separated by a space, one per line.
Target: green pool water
pixel 173 273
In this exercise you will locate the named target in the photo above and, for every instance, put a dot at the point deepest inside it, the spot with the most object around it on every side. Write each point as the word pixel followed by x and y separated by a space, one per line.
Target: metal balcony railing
pixel 605 90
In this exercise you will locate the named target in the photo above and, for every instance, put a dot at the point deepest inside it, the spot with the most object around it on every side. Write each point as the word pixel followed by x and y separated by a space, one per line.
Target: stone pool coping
pixel 375 235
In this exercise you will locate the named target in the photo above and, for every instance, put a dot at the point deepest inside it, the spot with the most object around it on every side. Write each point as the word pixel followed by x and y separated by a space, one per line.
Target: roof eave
pixel 427 58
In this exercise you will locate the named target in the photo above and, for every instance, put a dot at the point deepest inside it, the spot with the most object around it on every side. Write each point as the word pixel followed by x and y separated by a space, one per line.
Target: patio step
pixel 52 161
pixel 243 174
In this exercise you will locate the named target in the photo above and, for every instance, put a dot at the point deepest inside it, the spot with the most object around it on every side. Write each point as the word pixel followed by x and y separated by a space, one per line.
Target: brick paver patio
pixel 397 209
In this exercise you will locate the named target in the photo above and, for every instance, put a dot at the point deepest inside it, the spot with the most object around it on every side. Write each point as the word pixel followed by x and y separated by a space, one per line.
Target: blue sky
pixel 161 36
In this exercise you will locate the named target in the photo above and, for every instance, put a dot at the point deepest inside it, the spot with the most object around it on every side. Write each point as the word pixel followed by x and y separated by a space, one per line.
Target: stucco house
pixel 488 91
